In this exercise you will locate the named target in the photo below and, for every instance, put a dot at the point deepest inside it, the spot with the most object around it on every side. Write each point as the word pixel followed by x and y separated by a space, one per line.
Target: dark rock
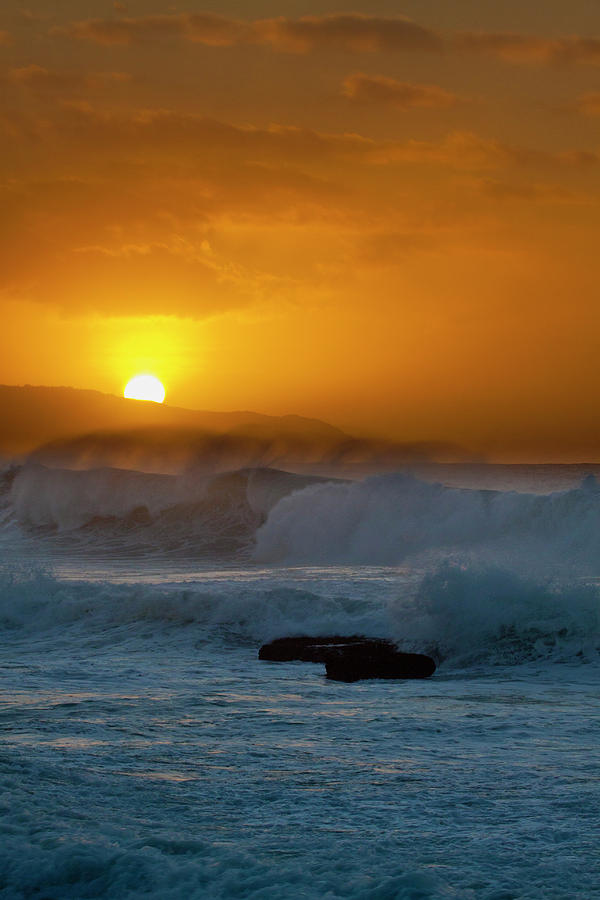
pixel 350 658
pixel 353 663
pixel 314 649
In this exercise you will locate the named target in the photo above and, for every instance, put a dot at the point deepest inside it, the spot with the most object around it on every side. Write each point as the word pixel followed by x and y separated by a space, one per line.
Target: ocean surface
pixel 146 752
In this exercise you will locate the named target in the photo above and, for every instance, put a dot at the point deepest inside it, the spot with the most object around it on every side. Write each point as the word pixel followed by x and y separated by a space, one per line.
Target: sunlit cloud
pixel 304 191
pixel 377 89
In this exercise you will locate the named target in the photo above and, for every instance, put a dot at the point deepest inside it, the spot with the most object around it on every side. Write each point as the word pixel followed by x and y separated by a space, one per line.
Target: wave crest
pixel 472 615
pixel 385 519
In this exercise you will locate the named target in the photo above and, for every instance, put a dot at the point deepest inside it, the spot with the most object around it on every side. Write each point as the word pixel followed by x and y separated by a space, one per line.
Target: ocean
pixel 146 752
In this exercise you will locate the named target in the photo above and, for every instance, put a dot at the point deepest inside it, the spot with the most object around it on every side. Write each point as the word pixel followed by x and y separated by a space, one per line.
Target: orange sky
pixel 383 215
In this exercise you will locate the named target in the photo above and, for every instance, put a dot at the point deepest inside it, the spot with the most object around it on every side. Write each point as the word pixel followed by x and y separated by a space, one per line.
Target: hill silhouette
pixel 71 428
pixel 31 416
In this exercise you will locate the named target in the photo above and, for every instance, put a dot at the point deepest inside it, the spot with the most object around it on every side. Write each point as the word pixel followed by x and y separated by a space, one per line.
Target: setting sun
pixel 144 387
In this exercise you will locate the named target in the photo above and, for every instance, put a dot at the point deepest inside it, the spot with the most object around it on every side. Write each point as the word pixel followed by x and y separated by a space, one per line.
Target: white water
pixel 146 752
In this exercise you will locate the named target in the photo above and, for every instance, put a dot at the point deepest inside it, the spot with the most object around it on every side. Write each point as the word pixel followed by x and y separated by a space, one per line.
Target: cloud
pixel 402 95
pixel 208 145
pixel 146 276
pixel 200 138
pixel 350 32
pixel 459 149
pixel 98 247
pixel 123 234
pixel 588 104
pixel 38 78
pixel 203 28
pixel 384 248
pixel 43 81
pixel 528 192
pixel 34 76
pixel 519 48
pixel 210 142
pixel 146 188
pixel 5 38
pixel 470 151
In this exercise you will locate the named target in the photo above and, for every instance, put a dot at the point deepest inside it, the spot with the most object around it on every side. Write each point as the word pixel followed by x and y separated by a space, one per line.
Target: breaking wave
pixel 463 616
pixel 490 576
pixel 117 511
pixel 473 615
pixel 279 518
pixel 386 519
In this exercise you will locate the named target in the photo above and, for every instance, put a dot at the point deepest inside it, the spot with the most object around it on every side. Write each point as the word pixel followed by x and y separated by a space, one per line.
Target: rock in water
pixel 350 658
pixel 314 649
pixel 358 661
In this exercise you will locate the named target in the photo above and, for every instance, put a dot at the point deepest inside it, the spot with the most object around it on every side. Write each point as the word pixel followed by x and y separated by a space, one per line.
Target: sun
pixel 144 387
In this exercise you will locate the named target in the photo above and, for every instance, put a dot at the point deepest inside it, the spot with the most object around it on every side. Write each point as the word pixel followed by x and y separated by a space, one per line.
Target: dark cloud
pixel 204 144
pixel 579 159
pixel 204 28
pixel 83 126
pixel 37 76
pixel 518 48
pixel 588 104
pixel 351 32
pixel 39 79
pixel 400 94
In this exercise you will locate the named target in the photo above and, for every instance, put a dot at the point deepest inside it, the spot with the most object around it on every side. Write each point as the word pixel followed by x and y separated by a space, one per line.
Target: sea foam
pixel 461 615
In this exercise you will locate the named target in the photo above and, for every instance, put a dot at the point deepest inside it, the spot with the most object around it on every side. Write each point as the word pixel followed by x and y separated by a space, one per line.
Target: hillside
pixel 32 416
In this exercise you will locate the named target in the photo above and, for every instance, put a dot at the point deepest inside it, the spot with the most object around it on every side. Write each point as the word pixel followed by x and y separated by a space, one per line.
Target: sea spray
pixel 387 519
pixel 285 519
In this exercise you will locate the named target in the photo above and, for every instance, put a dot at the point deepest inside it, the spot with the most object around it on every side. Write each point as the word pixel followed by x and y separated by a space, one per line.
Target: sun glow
pixel 144 387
